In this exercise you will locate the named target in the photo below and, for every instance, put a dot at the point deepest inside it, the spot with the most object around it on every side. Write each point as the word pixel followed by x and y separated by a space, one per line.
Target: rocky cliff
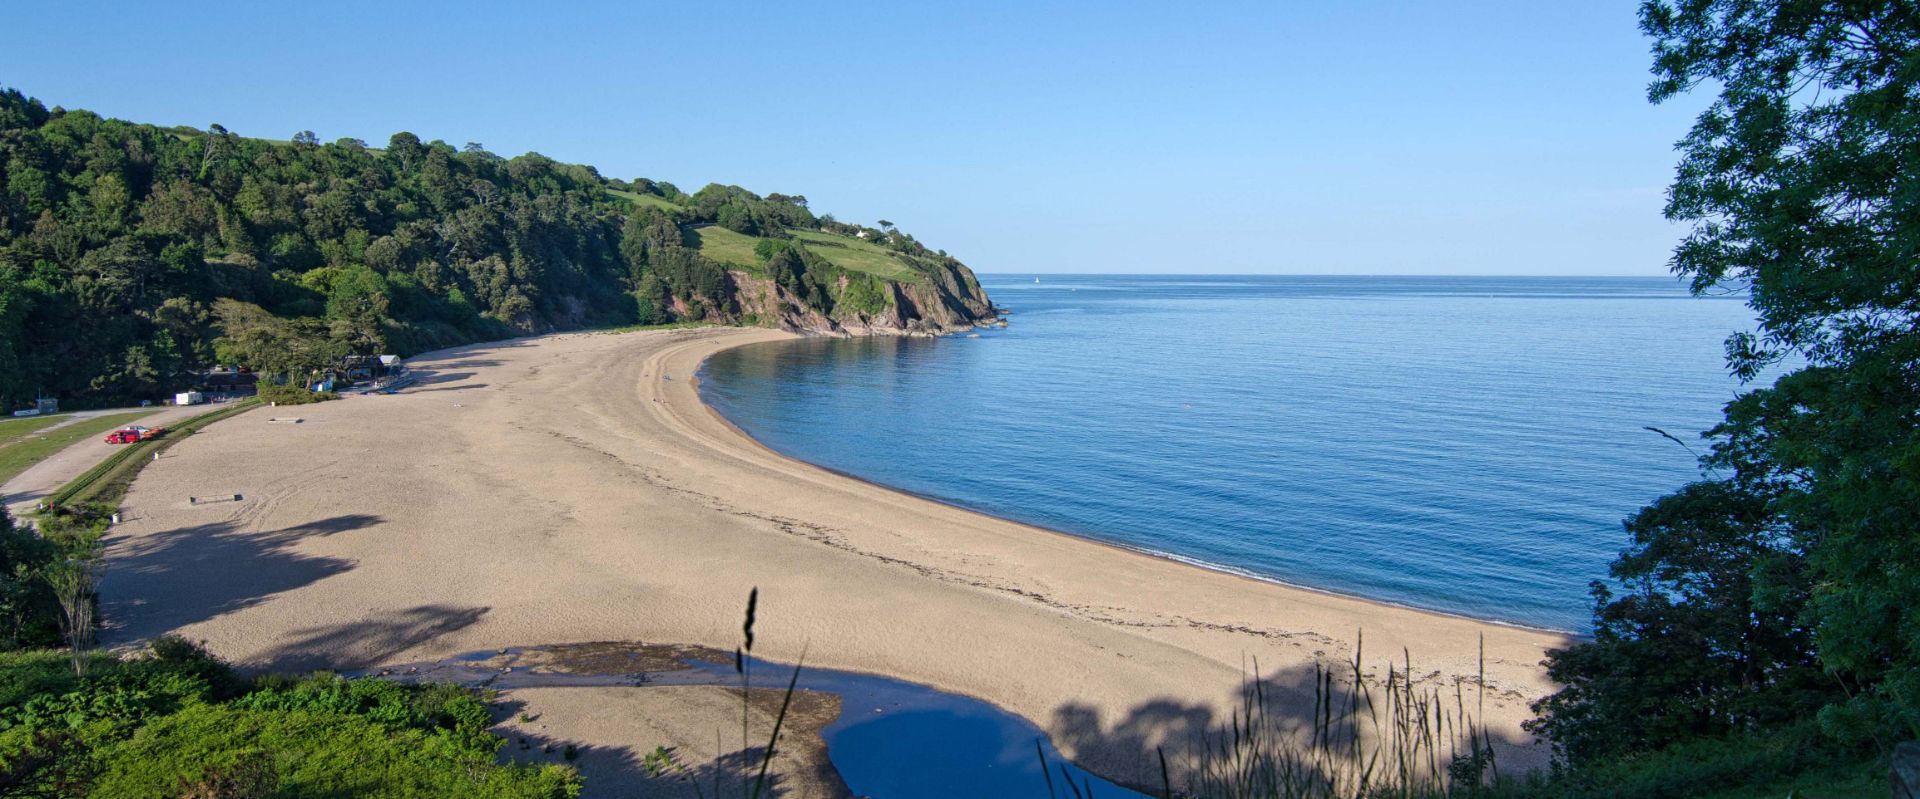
pixel 947 301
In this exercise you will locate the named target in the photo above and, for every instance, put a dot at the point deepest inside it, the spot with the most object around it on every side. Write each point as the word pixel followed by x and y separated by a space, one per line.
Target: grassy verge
pixel 14 429
pixel 107 481
pixel 19 452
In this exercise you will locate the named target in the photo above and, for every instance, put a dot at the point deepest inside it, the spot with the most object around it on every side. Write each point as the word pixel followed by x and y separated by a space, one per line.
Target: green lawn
pixel 721 244
pixel 858 255
pixel 12 430
pixel 645 199
pixel 846 252
pixel 20 451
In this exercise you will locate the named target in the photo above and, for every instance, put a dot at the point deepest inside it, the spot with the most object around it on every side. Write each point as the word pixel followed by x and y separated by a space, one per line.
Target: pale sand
pixel 613 730
pixel 573 488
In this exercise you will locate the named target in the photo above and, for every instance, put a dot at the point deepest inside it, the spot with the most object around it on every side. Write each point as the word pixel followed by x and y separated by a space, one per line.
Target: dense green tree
pixel 132 256
pixel 27 605
pixel 1790 578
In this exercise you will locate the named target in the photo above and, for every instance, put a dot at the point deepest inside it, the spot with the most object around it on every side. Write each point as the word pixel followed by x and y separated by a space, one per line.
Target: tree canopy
pixel 132 256
pixel 1785 582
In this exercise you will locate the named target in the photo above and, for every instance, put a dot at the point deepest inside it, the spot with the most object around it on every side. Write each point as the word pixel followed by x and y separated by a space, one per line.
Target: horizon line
pixel 1676 278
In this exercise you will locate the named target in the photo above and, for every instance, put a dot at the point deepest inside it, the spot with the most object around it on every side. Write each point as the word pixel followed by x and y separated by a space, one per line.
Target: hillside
pixel 133 256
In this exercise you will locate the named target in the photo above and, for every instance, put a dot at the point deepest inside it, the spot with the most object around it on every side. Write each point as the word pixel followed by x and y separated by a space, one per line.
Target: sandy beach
pixel 573 488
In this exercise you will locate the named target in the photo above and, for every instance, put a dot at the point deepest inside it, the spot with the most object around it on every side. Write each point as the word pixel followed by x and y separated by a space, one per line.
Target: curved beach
pixel 573 488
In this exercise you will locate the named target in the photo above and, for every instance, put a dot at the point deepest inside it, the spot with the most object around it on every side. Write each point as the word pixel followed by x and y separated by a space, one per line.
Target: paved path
pixel 47 476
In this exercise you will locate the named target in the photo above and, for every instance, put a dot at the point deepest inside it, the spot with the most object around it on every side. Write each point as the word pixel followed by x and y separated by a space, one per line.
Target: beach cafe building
pixel 228 383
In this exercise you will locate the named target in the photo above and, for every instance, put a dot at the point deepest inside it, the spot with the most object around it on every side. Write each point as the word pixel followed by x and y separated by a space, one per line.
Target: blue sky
pixel 1279 137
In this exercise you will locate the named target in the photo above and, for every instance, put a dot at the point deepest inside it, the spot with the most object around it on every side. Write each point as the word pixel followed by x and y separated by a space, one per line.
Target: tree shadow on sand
pixel 154 584
pixel 1308 730
pixel 368 642
pixel 463 387
pixel 441 377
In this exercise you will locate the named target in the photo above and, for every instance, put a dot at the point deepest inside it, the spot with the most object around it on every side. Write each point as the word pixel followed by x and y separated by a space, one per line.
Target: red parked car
pixel 129 435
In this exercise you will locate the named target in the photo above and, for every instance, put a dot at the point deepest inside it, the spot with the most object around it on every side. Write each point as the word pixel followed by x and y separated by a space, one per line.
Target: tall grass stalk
pixel 1365 739
pixel 743 666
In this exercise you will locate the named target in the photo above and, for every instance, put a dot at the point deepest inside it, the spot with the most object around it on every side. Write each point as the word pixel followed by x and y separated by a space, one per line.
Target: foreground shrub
pixel 1796 760
pixel 178 723
pixel 448 709
pixel 53 723
pixel 299 753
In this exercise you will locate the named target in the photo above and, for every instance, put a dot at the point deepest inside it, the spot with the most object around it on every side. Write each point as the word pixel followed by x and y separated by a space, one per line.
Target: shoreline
pixel 1170 557
pixel 574 488
pixel 693 356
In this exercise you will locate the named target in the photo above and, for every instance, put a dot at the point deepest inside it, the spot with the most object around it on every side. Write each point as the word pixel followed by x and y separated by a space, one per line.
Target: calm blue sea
pixel 1462 444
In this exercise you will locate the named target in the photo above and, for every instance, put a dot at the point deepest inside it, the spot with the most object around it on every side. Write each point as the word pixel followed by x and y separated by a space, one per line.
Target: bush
pixel 446 708
pixel 301 753
pixel 292 395
pixel 53 724
pixel 28 611
pixel 179 723
pixel 1750 764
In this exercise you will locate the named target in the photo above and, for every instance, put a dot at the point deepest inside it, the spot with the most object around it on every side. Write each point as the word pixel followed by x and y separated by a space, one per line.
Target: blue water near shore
pixel 901 740
pixel 1468 445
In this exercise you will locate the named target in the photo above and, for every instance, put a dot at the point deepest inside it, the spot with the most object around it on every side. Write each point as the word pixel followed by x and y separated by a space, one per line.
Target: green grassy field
pixel 644 199
pixel 14 429
pixel 20 451
pixel 847 252
pixel 721 244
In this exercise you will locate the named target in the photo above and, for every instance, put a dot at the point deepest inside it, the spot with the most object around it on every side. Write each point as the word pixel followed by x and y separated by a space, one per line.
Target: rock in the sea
pixel 1905 773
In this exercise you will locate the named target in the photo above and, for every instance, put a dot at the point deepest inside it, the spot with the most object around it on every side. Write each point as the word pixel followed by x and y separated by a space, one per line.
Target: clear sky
pixel 1472 137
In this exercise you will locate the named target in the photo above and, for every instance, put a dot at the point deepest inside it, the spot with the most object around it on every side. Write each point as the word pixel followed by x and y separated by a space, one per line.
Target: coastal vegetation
pixel 285 394
pixel 133 256
pixel 1770 606
pixel 174 721
pixel 1757 636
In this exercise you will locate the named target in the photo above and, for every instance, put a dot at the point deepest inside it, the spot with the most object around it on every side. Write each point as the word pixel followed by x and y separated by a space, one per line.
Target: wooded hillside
pixel 133 256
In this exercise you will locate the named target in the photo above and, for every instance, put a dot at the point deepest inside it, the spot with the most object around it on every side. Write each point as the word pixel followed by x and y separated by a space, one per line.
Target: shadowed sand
pixel 573 488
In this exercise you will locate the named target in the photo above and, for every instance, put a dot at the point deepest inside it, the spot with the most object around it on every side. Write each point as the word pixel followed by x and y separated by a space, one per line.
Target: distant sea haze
pixel 1468 445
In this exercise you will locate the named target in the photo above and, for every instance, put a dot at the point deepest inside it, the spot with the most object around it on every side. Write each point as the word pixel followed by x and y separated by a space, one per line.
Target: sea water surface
pixel 1468 445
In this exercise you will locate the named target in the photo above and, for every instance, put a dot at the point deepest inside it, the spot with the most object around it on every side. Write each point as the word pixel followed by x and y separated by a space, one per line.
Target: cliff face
pixel 948 301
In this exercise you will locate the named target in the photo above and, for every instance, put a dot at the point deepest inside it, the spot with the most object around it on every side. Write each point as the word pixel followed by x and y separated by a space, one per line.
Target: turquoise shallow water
pixel 1467 445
